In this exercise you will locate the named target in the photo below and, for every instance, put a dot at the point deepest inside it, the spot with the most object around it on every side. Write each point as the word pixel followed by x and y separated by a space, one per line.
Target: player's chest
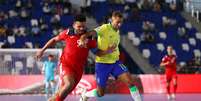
pixel 111 36
pixel 72 43
pixel 50 64
pixel 72 40
pixel 170 58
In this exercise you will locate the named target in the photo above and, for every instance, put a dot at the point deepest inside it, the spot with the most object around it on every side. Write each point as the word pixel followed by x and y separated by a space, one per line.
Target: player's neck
pixel 115 29
pixel 76 33
pixel 170 54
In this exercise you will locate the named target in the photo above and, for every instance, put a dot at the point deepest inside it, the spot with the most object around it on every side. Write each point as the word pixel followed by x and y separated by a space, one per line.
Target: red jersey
pixel 73 55
pixel 171 67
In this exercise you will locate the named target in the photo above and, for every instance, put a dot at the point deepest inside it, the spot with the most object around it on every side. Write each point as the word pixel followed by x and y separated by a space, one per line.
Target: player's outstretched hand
pixel 39 54
pixel 111 48
pixel 167 63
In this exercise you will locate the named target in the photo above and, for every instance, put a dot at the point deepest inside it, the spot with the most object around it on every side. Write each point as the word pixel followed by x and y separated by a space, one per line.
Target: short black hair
pixel 50 55
pixel 80 18
pixel 117 14
pixel 170 46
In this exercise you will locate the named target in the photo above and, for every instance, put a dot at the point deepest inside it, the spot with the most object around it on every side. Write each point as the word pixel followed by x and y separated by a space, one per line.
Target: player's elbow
pixel 55 39
pixel 161 65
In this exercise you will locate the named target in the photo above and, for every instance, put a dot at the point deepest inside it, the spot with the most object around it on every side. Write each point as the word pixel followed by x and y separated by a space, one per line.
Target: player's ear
pixel 73 25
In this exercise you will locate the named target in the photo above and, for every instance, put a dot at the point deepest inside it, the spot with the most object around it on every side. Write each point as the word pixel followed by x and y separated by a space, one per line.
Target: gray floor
pixel 108 97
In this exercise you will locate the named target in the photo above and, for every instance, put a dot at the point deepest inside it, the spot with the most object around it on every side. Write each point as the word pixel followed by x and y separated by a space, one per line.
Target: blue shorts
pixel 104 70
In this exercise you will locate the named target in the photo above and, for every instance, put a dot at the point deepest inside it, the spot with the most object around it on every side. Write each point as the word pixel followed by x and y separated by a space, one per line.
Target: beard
pixel 81 31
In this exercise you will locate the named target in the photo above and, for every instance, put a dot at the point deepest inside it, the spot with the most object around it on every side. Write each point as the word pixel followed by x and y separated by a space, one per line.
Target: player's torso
pixel 49 68
pixel 108 38
pixel 172 66
pixel 72 52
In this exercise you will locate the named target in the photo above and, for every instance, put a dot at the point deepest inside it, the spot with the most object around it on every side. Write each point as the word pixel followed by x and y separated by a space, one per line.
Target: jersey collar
pixel 110 24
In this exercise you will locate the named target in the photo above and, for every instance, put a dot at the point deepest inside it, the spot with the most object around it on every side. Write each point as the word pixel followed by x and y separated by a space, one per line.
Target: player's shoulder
pixel 166 56
pixel 71 31
pixel 68 31
pixel 101 29
pixel 103 26
pixel 108 25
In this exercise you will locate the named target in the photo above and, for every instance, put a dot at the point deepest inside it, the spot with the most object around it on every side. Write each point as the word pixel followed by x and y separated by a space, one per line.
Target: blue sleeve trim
pixel 94 50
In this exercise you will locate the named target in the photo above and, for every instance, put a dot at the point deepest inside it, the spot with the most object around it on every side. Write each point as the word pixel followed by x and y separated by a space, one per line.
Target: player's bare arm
pixel 110 49
pixel 48 44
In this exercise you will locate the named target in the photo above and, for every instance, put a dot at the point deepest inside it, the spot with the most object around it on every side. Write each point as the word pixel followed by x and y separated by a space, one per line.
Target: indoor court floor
pixel 107 97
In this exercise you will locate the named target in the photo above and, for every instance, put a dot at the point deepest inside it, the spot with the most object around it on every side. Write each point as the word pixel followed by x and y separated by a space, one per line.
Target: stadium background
pixel 149 26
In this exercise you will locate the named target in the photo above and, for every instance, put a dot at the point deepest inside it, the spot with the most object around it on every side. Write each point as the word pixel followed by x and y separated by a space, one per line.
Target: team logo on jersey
pixel 80 44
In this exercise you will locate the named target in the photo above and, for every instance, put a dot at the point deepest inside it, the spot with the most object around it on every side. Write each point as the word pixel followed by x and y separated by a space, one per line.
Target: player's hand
pixel 167 63
pixel 82 43
pixel 39 54
pixel 111 48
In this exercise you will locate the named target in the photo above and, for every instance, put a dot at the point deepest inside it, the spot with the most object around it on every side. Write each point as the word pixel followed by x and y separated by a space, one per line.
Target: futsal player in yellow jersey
pixel 107 58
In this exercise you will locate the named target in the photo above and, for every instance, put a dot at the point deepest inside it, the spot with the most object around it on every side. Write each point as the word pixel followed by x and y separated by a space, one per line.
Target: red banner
pixel 189 83
pixel 13 82
pixel 87 81
pixel 146 83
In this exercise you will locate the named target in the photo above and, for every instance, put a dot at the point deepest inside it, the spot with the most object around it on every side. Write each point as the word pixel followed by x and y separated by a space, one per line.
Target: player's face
pixel 116 22
pixel 79 27
pixel 50 58
pixel 170 50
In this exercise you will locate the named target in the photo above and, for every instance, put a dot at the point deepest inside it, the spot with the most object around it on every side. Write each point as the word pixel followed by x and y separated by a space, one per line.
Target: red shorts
pixel 171 75
pixel 76 72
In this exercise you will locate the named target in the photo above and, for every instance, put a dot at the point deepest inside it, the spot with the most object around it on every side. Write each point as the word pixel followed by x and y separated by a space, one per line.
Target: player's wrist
pixel 83 38
pixel 109 51
pixel 42 50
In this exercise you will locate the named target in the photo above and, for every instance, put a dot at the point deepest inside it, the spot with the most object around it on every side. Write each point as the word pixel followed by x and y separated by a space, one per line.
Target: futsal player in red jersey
pixel 169 62
pixel 73 58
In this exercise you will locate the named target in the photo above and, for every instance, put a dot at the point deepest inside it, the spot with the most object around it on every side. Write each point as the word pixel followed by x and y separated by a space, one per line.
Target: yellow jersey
pixel 107 36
